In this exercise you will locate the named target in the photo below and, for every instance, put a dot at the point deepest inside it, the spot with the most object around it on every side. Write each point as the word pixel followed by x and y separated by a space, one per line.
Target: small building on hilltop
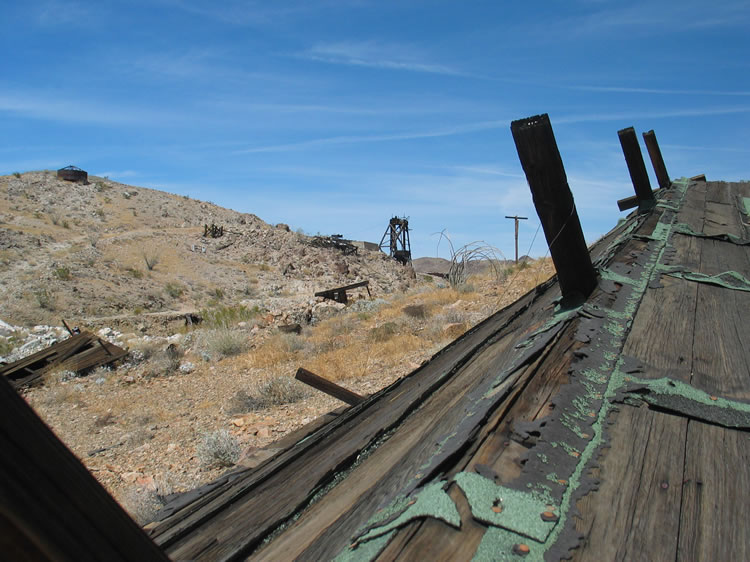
pixel 72 173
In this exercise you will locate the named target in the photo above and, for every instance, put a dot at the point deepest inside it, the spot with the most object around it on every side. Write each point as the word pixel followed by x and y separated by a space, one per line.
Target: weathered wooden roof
pixel 615 428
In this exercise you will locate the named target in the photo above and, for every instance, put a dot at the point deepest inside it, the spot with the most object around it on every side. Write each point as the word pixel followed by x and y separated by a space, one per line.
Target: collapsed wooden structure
pixel 80 352
pixel 604 415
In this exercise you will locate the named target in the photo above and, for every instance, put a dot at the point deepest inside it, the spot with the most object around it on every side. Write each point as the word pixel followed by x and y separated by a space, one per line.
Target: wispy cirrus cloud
pixel 59 109
pixel 374 54
pixel 354 139
pixel 665 114
pixel 660 91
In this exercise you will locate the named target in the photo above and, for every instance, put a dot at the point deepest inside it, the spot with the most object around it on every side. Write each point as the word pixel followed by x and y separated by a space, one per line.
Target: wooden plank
pixel 715 510
pixel 635 513
pixel 48 495
pixel 636 168
pixel 654 153
pixel 721 349
pixel 543 166
pixel 330 388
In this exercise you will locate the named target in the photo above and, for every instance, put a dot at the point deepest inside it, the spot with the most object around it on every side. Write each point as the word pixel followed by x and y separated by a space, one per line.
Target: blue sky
pixel 333 116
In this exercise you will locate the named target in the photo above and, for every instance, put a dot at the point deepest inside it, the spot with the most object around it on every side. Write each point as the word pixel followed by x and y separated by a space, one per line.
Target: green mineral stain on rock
pixel 514 510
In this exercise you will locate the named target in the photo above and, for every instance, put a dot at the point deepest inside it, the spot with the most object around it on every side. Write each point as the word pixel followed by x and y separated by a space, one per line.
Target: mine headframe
pixel 396 240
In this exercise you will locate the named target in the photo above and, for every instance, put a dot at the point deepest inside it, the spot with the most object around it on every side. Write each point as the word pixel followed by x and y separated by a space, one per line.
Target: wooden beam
pixel 628 203
pixel 637 169
pixel 541 162
pixel 701 177
pixel 51 507
pixel 330 388
pixel 654 152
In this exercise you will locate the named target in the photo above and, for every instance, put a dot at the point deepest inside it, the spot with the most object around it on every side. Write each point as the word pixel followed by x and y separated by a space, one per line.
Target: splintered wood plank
pixel 715 508
pixel 721 351
pixel 635 513
pixel 662 332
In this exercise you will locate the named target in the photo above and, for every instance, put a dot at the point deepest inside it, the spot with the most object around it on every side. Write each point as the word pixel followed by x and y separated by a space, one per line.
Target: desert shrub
pixel 174 290
pixel 226 316
pixel 135 273
pixel 218 448
pixel 416 311
pixel 466 288
pixel 164 362
pixel 54 217
pixel 141 505
pixel 224 342
pixel 65 223
pixel 16 174
pixel 151 259
pixel 217 293
pixel 44 298
pixel 281 390
pixel 241 403
pixel 143 351
pixel 293 342
pixel 384 332
pixel 63 273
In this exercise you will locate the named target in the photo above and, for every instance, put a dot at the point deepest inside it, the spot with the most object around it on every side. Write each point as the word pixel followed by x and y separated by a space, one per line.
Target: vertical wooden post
pixel 516 218
pixel 656 159
pixel 637 169
pixel 541 162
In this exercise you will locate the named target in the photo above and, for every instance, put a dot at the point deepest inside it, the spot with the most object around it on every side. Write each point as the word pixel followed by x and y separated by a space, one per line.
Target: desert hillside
pixel 133 255
pixel 192 401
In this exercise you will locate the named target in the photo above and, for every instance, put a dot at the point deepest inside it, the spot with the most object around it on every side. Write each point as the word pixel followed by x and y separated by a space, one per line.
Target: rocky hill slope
pixel 112 253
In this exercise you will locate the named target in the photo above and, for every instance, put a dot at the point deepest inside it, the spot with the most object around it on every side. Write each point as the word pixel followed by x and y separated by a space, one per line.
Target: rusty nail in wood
pixel 714 398
pixel 521 549
pixel 562 482
pixel 549 516
pixel 497 506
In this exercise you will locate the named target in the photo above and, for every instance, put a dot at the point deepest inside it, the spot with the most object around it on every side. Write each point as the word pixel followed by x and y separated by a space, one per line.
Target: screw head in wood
pixel 521 549
pixel 548 516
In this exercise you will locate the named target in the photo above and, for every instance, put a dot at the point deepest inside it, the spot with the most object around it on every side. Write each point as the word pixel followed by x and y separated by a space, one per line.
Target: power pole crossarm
pixel 516 218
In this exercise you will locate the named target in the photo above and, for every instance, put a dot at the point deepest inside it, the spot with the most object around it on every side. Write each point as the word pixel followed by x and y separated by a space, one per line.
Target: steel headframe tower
pixel 397 236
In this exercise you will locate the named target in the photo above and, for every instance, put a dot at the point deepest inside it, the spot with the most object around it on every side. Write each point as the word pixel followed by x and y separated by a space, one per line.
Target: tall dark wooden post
pixel 516 218
pixel 541 162
pixel 656 159
pixel 637 169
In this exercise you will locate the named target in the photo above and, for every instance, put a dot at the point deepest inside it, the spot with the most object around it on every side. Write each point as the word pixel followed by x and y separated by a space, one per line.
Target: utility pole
pixel 516 218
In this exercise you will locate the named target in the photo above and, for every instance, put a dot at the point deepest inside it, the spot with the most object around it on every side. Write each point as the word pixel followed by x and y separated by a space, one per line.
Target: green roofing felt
pixel 746 203
pixel 514 510
pixel 727 279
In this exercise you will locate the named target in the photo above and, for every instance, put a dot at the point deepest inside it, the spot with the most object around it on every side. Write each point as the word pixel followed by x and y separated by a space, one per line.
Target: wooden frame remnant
pixel 637 169
pixel 542 164
pixel 339 293
pixel 79 352
pixel 330 388
pixel 654 153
